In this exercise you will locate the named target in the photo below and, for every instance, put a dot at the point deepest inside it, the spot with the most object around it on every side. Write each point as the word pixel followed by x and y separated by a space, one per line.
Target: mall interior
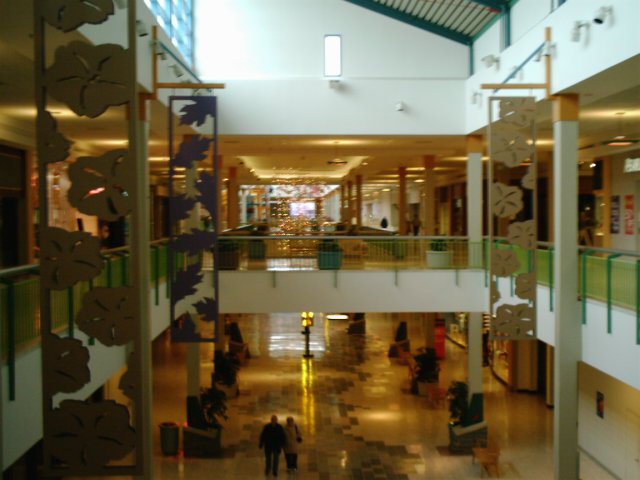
pixel 411 225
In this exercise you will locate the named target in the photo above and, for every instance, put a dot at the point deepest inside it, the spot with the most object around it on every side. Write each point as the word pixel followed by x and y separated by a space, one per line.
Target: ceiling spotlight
pixel 575 31
pixel 141 29
pixel 601 15
pixel 177 71
pixel 491 60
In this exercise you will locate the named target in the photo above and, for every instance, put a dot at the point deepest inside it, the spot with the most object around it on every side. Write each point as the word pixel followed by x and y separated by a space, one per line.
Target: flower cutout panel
pixel 504 262
pixel 107 314
pixel 68 257
pixel 526 286
pixel 102 185
pixel 522 234
pixel 52 145
pixel 66 365
pixel 90 435
pixel 517 112
pixel 529 180
pixel 509 147
pixel 514 321
pixel 130 380
pixel 67 15
pixel 89 79
pixel 506 200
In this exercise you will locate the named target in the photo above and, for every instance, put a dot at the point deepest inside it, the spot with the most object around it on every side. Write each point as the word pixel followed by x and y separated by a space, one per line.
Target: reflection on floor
pixel 357 417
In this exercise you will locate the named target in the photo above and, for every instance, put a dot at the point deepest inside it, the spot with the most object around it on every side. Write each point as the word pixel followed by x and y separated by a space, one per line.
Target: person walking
pixel 291 445
pixel 272 439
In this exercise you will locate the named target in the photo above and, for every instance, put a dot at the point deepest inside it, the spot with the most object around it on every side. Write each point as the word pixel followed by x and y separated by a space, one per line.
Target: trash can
pixel 169 438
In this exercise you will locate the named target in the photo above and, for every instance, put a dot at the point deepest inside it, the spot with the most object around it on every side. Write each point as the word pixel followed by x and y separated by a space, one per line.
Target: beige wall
pixel 614 440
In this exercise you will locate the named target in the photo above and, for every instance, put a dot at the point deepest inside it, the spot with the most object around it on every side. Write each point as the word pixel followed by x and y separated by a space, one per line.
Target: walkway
pixel 352 403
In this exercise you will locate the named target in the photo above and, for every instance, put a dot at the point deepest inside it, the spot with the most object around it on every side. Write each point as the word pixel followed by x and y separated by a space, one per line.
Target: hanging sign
pixel 615 214
pixel 628 214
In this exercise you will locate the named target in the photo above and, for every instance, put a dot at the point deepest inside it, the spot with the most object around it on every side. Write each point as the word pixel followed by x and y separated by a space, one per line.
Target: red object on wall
pixel 628 214
pixel 439 337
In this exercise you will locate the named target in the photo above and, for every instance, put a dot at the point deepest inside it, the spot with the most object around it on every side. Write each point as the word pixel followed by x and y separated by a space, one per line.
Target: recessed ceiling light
pixel 419 180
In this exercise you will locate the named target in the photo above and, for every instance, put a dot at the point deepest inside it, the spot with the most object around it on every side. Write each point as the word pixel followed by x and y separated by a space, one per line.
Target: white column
pixel 429 214
pixel 568 328
pixel 244 194
pixel 474 357
pixel 474 199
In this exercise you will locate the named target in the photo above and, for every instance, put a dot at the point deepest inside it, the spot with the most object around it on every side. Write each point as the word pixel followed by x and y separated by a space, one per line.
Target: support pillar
pixel 568 329
pixel 474 359
pixel 359 201
pixel 474 201
pixel 232 198
pixel 402 200
pixel 429 215
pixel 219 190
pixel 343 208
pixel 349 201
pixel 429 329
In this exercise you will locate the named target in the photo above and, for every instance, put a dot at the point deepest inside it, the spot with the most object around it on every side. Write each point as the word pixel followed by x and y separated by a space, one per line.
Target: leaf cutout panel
pixel 198 111
pixel 507 200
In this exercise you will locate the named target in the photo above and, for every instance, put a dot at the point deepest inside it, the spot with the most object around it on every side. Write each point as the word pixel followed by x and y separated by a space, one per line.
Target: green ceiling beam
pixel 497 4
pixel 411 20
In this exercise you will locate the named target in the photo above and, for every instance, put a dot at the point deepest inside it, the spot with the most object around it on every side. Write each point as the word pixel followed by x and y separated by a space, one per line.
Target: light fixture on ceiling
pixel 476 97
pixel 491 60
pixel 336 160
pixel 602 14
pixel 620 140
pixel 576 33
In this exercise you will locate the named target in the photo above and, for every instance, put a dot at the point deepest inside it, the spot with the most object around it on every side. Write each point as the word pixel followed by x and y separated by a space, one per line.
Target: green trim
pixel 583 289
pixel 414 21
pixel 637 302
pixel 497 4
pixel 609 258
pixel 11 335
pixel 471 60
pixel 506 27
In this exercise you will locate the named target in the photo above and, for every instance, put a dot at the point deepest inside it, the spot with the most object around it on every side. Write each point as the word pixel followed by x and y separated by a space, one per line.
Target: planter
pixel 231 391
pixel 438 259
pixel 228 260
pixel 257 249
pixel 330 260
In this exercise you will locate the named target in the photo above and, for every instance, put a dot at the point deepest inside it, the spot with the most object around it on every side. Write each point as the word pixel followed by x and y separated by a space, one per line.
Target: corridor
pixel 353 406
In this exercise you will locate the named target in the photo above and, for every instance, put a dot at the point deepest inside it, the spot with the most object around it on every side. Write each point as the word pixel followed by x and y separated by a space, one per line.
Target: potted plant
pixel 257 246
pixel 329 255
pixel 225 373
pixel 438 255
pixel 426 369
pixel 214 405
pixel 458 396
pixel 228 254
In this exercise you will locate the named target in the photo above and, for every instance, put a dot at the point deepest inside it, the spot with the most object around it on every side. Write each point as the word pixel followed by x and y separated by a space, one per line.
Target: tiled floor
pixel 358 420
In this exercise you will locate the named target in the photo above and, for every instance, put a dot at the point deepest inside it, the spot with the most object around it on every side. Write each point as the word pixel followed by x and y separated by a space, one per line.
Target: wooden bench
pixel 488 456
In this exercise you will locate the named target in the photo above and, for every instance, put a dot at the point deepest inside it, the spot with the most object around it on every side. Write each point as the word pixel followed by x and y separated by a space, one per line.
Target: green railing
pixel 610 276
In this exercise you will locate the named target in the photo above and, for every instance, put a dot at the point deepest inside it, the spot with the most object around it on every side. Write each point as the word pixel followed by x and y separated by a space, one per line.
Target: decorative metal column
pixel 512 146
pixel 192 309
pixel 92 437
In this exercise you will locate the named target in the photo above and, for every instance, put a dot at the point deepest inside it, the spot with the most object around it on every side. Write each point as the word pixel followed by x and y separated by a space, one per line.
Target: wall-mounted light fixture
pixel 141 29
pixel 177 71
pixel 602 14
pixel 476 97
pixel 576 31
pixel 157 48
pixel 491 60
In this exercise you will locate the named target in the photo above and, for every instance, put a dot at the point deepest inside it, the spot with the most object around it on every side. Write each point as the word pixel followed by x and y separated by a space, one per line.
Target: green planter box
pixel 257 249
pixel 329 260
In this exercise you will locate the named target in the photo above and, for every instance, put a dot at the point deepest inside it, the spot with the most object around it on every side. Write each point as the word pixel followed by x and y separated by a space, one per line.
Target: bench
pixel 488 456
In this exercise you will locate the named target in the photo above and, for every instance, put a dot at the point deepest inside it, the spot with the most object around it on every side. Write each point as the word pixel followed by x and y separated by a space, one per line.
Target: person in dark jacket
pixel 272 439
